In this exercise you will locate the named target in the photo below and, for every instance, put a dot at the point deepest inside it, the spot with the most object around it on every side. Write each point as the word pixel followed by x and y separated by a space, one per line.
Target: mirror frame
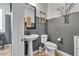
pixel 34 16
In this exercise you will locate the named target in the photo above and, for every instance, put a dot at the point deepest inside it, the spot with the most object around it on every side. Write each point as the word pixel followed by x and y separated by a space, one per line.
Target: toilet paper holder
pixel 60 40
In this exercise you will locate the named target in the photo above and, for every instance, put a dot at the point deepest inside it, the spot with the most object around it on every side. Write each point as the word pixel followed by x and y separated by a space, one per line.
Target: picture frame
pixel 42 17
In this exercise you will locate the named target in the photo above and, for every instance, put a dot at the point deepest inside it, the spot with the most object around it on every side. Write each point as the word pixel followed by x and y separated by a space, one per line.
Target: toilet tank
pixel 44 38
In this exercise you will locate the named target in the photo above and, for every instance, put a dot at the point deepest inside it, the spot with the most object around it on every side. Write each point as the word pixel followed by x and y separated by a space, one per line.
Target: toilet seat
pixel 51 48
pixel 50 45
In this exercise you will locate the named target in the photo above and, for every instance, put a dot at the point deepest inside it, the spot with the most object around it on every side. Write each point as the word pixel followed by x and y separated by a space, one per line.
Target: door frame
pixel 17 26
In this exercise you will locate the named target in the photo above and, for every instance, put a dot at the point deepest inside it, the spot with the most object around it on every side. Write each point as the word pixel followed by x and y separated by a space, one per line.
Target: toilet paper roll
pixel 59 39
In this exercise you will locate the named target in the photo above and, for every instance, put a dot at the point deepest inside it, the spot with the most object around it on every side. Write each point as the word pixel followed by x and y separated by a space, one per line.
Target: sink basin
pixel 30 37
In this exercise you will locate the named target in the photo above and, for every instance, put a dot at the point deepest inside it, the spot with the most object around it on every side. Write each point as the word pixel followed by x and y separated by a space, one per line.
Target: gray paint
pixel 40 29
pixel 8 28
pixel 57 28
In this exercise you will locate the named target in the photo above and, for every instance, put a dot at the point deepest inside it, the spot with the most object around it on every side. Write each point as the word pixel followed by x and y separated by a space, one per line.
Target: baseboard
pixel 58 51
pixel 6 45
pixel 63 53
pixel 35 51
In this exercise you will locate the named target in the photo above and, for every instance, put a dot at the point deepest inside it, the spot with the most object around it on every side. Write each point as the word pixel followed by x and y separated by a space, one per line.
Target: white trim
pixel 35 51
pixel 75 44
pixel 61 16
pixel 64 53
pixel 6 45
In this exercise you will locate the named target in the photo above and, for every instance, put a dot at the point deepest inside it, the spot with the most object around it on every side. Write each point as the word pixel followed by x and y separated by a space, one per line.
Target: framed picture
pixel 28 19
pixel 42 17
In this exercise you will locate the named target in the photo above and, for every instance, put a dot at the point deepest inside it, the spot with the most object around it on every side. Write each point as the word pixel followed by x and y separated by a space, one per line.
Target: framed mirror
pixel 30 16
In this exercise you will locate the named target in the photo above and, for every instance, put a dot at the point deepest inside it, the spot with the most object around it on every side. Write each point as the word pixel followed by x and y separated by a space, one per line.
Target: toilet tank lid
pixel 51 44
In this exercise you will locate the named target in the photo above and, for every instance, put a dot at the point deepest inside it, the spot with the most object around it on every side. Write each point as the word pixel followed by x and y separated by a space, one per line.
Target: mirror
pixel 29 16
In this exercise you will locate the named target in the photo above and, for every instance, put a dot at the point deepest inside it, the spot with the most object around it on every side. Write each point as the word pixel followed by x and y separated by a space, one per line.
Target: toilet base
pixel 51 52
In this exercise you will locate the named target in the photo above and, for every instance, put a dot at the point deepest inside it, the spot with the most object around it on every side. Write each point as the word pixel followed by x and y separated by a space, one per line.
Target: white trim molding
pixel 76 42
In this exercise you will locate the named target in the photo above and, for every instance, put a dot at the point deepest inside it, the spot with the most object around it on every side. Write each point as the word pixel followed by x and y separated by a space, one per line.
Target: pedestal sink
pixel 30 38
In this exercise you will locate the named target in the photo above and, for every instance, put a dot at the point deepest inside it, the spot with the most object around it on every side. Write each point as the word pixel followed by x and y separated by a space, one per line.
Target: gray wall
pixel 40 29
pixel 57 28
pixel 8 28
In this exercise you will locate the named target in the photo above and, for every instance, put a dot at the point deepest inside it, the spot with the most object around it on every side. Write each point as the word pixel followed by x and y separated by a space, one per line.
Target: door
pixel 17 29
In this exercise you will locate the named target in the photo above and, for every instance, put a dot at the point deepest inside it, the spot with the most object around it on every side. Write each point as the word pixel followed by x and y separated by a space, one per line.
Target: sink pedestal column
pixel 30 48
pixel 30 39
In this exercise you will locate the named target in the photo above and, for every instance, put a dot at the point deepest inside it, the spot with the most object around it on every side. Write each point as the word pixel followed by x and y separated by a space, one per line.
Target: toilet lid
pixel 50 44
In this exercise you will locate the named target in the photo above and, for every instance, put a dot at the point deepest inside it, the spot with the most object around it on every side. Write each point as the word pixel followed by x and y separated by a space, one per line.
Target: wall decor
pixel 28 19
pixel 42 17
pixel 30 16
pixel 65 11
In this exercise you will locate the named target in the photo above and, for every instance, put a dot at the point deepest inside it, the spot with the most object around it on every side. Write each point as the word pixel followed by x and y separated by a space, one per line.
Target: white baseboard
pixel 35 51
pixel 64 53
pixel 6 45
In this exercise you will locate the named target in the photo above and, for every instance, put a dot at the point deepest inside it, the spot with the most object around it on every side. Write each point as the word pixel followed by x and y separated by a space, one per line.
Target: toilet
pixel 49 46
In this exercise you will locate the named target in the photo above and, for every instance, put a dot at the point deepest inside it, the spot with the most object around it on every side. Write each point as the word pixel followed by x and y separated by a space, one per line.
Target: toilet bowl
pixel 49 46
